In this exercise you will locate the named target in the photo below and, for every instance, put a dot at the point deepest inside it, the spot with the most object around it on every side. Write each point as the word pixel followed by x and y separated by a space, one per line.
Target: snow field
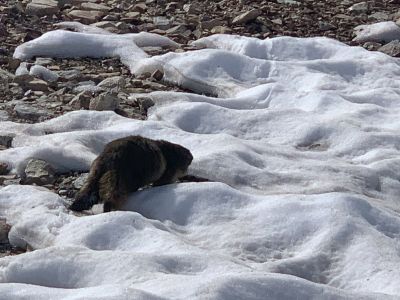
pixel 302 143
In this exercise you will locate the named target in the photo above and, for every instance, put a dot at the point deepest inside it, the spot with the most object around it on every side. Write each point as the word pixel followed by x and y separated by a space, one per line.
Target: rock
pixel 192 8
pixel 36 85
pixel 38 172
pixel 379 16
pixel 82 100
pixel 392 48
pixel 359 8
pixel 131 15
pixel 86 16
pixel 43 73
pixel 69 75
pixel 324 26
pixel 80 181
pixel 372 46
pixel 6 139
pixel 162 23
pixel 95 6
pixel 4 168
pixel 104 101
pixel 22 69
pixel 208 25
pixel 289 2
pixel 221 29
pixel 177 29
pixel 4 229
pixel 111 83
pixel 144 103
pixel 140 7
pixel 246 17
pixel 42 8
pixel 157 75
pixel 107 25
pixel 28 112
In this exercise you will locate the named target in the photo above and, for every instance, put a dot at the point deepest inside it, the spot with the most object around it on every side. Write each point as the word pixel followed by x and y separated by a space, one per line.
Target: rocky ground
pixel 105 84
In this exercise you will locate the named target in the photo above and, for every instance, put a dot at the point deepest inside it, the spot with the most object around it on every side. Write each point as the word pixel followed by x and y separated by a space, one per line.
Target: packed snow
pixel 299 138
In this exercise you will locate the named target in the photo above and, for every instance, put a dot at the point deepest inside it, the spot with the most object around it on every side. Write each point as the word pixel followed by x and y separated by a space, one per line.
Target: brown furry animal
pixel 127 164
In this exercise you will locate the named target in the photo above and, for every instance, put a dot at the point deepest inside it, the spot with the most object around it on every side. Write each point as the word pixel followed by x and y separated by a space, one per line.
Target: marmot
pixel 127 164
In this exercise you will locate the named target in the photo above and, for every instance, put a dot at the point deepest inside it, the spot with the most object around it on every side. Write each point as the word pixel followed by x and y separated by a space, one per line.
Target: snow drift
pixel 301 139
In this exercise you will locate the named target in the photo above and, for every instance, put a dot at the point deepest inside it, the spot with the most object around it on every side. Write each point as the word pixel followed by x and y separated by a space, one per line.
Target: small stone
pixel 359 8
pixel 86 16
pixel 177 29
pixel 38 172
pixel 246 17
pixel 324 26
pixel 208 25
pixel 157 75
pixel 4 116
pixel 221 29
pixel 140 7
pixel 42 8
pixel 379 16
pixel 144 103
pixel 4 229
pixel 132 15
pixel 4 168
pixel 392 48
pixel 69 75
pixel 95 6
pixel 115 82
pixel 372 46
pixel 6 139
pixel 29 112
pixel 80 181
pixel 191 8
pixel 82 100
pixel 162 23
pixel 37 85
pixel 104 101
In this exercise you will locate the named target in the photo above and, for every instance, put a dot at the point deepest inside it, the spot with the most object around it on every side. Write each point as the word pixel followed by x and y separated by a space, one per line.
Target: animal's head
pixel 177 157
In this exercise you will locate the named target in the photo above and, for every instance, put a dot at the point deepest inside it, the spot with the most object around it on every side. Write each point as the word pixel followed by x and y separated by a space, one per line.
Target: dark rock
pixel 392 48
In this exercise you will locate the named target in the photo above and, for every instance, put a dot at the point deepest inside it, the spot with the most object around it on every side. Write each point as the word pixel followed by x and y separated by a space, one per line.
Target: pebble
pixel 38 172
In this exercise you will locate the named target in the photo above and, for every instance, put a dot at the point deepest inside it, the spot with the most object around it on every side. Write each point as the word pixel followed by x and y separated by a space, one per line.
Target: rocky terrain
pixel 29 95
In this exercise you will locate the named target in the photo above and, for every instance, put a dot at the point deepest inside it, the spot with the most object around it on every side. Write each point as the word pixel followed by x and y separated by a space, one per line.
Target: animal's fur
pixel 127 164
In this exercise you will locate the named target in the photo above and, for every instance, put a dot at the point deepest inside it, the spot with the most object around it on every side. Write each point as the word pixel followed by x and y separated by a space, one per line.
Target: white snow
pixel 302 143
pixel 377 32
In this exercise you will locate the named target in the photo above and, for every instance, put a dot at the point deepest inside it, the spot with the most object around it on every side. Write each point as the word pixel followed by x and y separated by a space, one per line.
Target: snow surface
pixel 302 145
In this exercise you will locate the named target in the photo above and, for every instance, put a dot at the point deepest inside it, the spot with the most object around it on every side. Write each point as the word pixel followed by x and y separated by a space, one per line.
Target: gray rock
pixel 359 8
pixel 379 16
pixel 324 26
pixel 29 112
pixel 42 8
pixel 392 48
pixel 82 100
pixel 289 2
pixel 115 82
pixel 4 168
pixel 192 8
pixel 6 139
pixel 157 75
pixel 221 29
pixel 246 17
pixel 179 29
pixel 95 6
pixel 4 229
pixel 104 101
pixel 38 172
pixel 69 75
pixel 86 16
pixel 140 7
pixel 144 103
pixel 162 23
pixel 80 181
pixel 208 25
pixel 36 85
